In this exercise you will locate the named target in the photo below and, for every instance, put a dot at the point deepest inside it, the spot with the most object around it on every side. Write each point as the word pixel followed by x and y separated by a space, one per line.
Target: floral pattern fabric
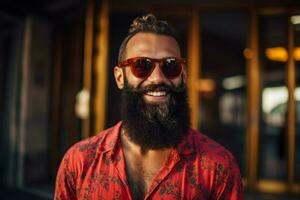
pixel 198 168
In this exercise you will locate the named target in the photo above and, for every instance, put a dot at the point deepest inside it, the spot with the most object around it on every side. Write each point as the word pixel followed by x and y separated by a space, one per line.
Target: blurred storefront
pixel 57 85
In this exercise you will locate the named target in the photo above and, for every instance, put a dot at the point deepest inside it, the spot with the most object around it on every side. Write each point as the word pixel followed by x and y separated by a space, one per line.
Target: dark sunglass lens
pixel 171 68
pixel 142 67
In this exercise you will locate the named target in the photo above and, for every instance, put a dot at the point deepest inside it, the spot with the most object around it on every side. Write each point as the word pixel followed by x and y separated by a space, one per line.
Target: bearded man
pixel 152 153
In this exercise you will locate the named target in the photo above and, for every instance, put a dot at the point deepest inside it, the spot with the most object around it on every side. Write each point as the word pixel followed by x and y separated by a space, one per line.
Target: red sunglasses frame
pixel 129 63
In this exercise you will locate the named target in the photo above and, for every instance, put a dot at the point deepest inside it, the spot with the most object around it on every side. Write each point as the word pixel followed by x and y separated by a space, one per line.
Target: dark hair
pixel 147 24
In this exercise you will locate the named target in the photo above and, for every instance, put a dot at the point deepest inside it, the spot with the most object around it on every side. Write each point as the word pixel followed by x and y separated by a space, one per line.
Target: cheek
pixel 131 79
pixel 178 81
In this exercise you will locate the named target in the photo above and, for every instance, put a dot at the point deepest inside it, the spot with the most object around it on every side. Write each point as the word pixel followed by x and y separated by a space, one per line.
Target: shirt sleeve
pixel 65 187
pixel 232 188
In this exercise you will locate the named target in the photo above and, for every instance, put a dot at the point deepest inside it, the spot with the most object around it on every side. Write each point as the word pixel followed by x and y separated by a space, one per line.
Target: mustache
pixel 159 87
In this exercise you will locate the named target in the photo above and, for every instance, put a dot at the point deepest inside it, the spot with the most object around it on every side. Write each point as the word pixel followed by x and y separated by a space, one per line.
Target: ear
pixel 119 77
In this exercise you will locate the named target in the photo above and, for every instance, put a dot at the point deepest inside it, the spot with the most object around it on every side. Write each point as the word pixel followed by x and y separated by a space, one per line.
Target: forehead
pixel 152 45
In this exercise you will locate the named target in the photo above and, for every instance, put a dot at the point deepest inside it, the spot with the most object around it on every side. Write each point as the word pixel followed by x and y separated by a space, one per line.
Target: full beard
pixel 155 125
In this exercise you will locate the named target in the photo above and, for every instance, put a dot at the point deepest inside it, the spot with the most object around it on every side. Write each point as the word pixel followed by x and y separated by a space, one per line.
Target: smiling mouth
pixel 157 93
pixel 156 96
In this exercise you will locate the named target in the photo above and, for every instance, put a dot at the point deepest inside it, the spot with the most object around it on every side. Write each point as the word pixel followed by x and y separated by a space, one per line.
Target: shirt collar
pixel 110 143
pixel 187 145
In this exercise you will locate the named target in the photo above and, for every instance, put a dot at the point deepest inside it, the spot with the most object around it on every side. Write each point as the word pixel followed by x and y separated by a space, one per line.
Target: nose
pixel 157 75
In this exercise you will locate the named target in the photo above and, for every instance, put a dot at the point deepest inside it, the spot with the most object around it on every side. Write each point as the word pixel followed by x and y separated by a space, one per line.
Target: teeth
pixel 157 94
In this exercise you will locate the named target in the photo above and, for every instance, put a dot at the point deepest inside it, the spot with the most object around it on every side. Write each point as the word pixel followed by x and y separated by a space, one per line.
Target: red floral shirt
pixel 198 168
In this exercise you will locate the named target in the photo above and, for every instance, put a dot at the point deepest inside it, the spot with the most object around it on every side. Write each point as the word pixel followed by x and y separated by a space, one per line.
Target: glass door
pixel 278 157
pixel 274 96
pixel 296 28
pixel 243 95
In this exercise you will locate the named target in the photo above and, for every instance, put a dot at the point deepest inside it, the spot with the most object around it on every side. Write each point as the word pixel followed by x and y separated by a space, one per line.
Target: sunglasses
pixel 142 67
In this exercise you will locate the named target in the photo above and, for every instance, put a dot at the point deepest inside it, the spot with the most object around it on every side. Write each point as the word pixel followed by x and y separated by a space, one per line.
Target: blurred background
pixel 57 86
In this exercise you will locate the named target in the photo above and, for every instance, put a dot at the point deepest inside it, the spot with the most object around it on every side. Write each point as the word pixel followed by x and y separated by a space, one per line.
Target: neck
pixel 142 165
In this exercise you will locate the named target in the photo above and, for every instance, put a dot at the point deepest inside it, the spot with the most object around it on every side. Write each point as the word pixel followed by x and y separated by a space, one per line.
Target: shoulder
pixel 219 166
pixel 82 153
pixel 99 142
pixel 209 151
pixel 79 159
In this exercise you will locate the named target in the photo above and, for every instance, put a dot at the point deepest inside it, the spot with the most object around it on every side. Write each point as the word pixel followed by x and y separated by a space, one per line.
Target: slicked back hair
pixel 147 24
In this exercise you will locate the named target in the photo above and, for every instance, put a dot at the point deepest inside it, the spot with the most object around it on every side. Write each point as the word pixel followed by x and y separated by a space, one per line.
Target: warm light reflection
pixel 297 53
pixel 248 53
pixel 280 54
pixel 206 85
pixel 277 54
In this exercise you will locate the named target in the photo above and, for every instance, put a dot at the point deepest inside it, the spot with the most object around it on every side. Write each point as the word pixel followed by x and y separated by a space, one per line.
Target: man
pixel 152 153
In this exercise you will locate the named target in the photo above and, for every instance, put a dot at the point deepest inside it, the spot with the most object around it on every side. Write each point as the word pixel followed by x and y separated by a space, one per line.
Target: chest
pixel 140 177
pixel 108 181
